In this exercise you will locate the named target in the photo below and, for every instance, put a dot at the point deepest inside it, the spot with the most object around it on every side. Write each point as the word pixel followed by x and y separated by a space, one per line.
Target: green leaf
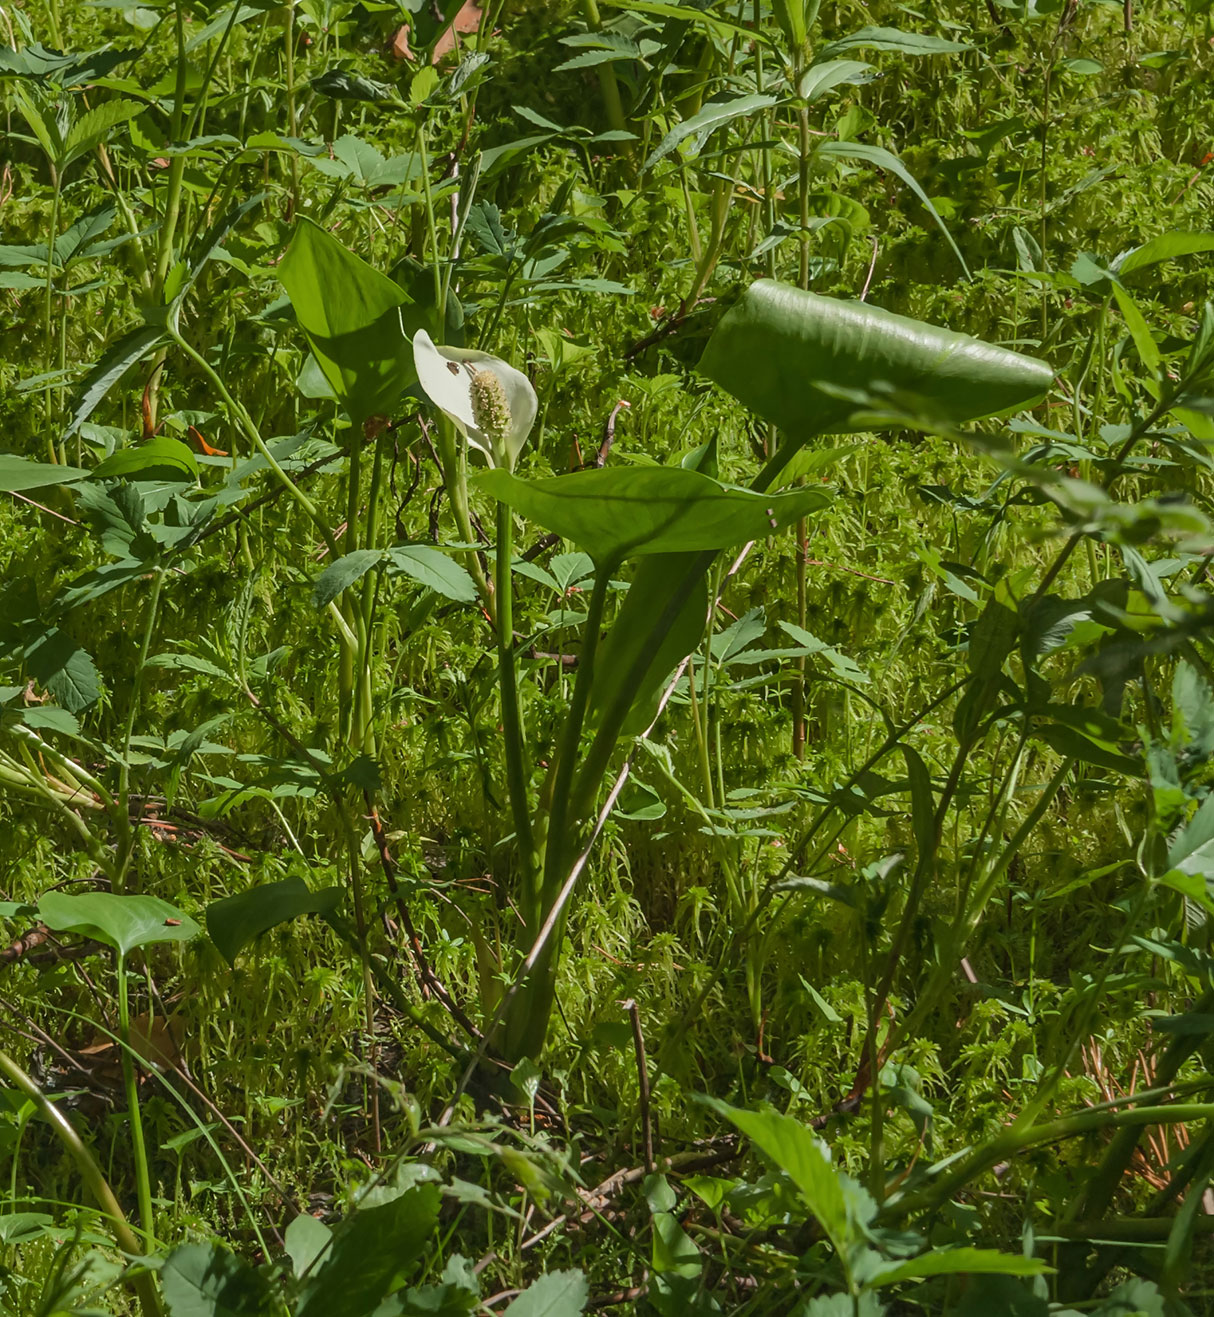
pixel 95 125
pixel 114 364
pixel 777 347
pixel 1140 331
pixel 342 573
pixel 880 158
pixel 305 1238
pixel 236 920
pixel 630 511
pixel 208 1280
pixel 824 77
pixel 713 116
pixel 373 1253
pixel 158 458
pixel 558 1294
pixel 122 922
pixel 957 1261
pixel 354 318
pixel 22 1227
pixel 20 473
pixel 1164 248
pixel 806 1159
pixel 889 38
pixel 55 661
pixel 431 567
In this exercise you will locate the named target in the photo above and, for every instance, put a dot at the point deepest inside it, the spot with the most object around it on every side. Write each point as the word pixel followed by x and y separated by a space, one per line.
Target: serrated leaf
pixel 113 365
pixel 558 1294
pixel 342 573
pixel 431 567
pixel 713 116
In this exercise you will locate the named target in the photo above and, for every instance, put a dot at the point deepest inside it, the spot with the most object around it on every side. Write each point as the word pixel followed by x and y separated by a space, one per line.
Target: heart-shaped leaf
pixel 778 346
pixel 236 920
pixel 631 511
pixel 122 922
pixel 358 321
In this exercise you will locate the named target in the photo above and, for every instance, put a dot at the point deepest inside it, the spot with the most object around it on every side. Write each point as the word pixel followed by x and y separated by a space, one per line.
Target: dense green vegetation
pixel 606 691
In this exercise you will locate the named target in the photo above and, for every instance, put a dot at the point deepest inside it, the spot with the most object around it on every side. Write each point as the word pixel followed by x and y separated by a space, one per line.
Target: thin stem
pixel 124 768
pixel 564 814
pixel 512 723
pixel 143 1179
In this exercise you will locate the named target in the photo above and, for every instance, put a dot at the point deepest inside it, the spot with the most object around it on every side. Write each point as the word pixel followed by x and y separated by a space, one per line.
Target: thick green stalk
pixel 512 723
pixel 606 71
pixel 563 816
pixel 127 848
pixel 143 1178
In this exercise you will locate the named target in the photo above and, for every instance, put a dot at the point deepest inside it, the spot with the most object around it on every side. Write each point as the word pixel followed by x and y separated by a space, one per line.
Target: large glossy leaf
pixel 19 473
pixel 159 458
pixel 354 318
pixel 207 1280
pixel 372 1254
pixel 631 511
pixel 122 922
pixel 778 346
pixel 236 920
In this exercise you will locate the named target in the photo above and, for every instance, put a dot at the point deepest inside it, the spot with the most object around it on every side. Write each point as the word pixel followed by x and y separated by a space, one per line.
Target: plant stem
pixel 127 847
pixel 606 71
pixel 512 725
pixel 143 1179
pixel 143 1283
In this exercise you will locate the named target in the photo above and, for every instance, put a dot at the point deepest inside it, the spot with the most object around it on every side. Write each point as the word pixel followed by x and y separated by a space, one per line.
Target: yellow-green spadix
pixel 490 402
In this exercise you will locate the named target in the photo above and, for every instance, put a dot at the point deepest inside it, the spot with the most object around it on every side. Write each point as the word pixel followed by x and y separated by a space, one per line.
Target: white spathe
pixel 445 375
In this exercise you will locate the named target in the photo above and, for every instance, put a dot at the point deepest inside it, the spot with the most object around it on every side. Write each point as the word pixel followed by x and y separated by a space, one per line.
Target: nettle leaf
pixel 358 321
pixel 55 661
pixel 342 573
pixel 782 351
pixel 890 38
pixel 558 1294
pixel 431 567
pixel 956 1261
pixel 95 125
pixel 114 364
pixel 842 1209
pixel 236 920
pixel 121 922
pixel 822 78
pixel 633 511
pixel 713 116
